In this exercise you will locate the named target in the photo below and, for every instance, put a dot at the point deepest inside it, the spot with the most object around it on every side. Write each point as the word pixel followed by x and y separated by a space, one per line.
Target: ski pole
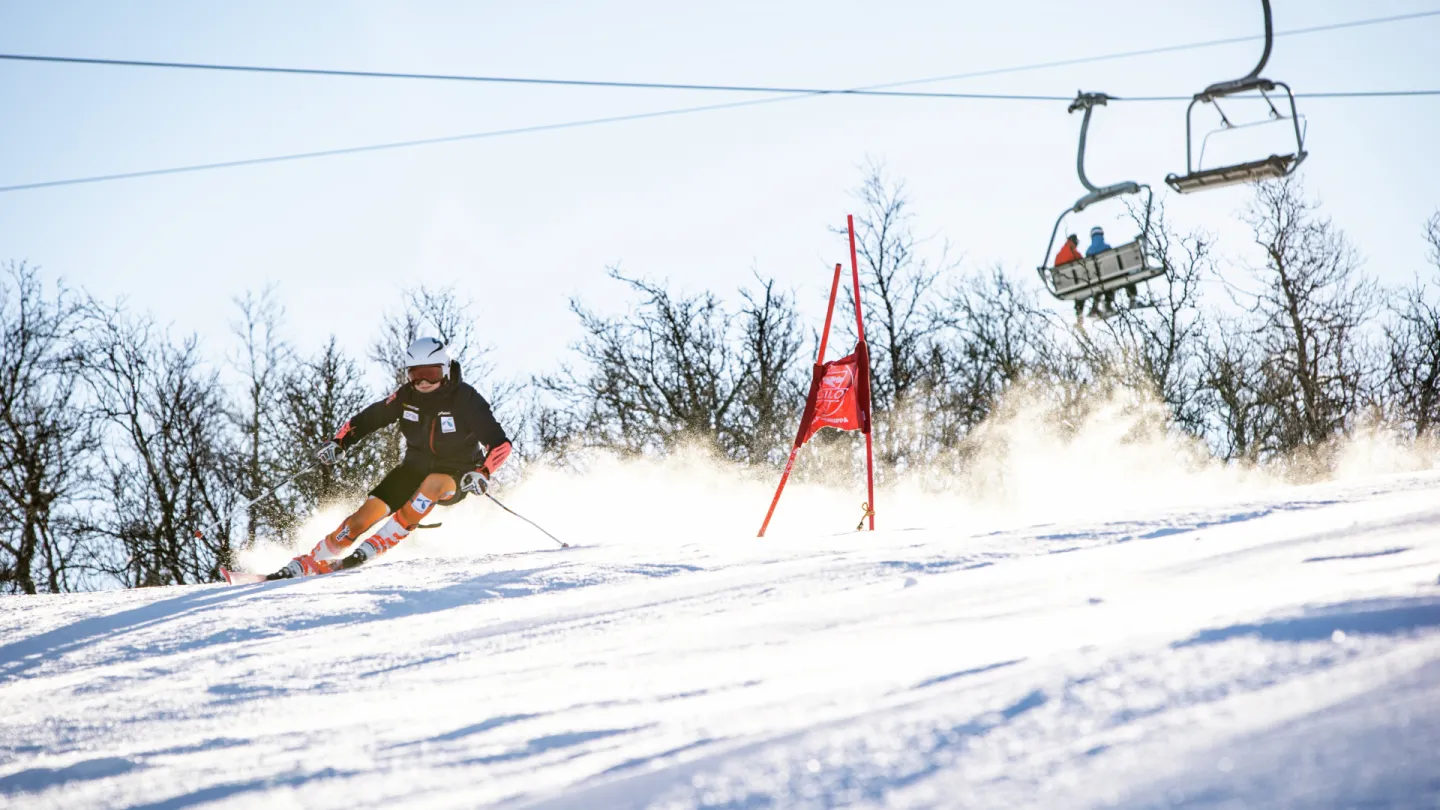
pixel 200 533
pixel 527 520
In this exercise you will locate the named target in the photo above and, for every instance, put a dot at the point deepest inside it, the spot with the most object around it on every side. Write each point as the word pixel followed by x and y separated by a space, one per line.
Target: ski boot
pixel 382 541
pixel 322 559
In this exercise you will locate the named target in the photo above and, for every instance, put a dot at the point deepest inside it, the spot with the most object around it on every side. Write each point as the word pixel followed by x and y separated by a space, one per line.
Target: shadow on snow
pixel 1363 617
pixel 1362 555
pixel 1125 531
pixel 34 780
pixel 389 602
pixel 28 652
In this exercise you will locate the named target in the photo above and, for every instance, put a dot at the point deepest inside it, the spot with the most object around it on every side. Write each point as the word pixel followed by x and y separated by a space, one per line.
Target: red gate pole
pixel 795 448
pixel 860 330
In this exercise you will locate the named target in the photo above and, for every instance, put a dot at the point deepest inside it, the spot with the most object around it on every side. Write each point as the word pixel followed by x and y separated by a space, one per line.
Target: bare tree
pixel 543 428
pixel 1412 349
pixel 170 463
pixel 896 283
pixel 316 397
pixel 46 435
pixel 664 374
pixel 772 390
pixel 1312 309
pixel 263 363
pixel 995 336
pixel 1162 348
pixel 1235 388
pixel 679 369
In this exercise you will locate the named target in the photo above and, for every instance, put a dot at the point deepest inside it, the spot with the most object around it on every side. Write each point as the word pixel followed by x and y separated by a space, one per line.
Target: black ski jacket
pixel 450 429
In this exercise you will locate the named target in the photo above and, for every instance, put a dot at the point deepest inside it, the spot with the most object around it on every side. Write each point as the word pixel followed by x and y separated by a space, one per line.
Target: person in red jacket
pixel 453 444
pixel 1069 252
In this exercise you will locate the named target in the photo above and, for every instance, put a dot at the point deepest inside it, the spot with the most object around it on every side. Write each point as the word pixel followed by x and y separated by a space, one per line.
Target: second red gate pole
pixel 860 332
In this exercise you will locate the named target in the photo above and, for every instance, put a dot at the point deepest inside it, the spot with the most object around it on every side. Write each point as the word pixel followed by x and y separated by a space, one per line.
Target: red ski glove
pixel 496 459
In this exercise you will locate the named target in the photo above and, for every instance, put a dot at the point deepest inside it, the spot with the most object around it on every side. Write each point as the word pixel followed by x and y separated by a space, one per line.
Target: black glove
pixel 475 481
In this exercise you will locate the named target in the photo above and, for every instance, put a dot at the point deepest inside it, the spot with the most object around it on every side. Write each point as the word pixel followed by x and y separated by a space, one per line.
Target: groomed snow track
pixel 1277 651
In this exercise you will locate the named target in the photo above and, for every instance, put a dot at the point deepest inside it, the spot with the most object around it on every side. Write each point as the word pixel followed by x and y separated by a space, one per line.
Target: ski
pixel 241 578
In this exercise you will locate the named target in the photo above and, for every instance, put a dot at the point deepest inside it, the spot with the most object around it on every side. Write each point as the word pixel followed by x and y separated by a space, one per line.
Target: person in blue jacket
pixel 1099 245
pixel 1097 242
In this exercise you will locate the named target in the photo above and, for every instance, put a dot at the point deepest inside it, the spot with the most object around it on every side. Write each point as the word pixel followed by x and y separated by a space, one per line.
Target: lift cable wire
pixel 799 94
pixel 1165 49
pixel 879 89
pixel 380 147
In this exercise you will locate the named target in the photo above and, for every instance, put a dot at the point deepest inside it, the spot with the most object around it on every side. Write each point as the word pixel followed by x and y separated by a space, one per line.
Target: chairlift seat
pixel 1264 169
pixel 1105 271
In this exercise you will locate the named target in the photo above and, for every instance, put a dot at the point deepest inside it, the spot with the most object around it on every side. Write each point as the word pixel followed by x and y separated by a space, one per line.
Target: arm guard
pixel 372 418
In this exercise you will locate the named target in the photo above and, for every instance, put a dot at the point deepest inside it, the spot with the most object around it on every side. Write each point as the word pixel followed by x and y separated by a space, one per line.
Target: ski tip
pixel 240 578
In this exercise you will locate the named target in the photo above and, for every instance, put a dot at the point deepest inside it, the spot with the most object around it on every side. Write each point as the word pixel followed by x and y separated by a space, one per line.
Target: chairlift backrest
pixel 1104 272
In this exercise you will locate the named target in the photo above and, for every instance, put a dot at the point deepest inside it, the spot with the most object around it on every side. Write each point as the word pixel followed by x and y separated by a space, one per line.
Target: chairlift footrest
pixel 1268 168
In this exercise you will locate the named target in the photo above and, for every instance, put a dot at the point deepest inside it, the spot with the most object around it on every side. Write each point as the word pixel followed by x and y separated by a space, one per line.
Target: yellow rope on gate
pixel 868 513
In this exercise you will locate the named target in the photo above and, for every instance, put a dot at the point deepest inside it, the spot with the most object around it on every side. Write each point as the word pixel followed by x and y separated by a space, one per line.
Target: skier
pixel 452 446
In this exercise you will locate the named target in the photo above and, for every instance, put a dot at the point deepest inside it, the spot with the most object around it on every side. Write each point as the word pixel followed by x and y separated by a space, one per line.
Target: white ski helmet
pixel 428 351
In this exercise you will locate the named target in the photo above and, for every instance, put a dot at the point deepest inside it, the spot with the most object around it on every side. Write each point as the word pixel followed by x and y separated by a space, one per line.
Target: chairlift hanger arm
pixel 1269 42
pixel 1251 80
pixel 1088 102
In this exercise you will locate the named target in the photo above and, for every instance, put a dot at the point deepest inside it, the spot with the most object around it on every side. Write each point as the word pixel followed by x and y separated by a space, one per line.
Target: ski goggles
pixel 430 374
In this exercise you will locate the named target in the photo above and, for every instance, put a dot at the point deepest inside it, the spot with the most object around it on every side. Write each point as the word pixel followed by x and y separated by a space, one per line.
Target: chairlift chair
pixel 1110 270
pixel 1197 179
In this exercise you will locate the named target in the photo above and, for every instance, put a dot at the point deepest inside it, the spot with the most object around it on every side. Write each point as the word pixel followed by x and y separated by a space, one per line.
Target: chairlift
pixel 1102 274
pixel 1198 179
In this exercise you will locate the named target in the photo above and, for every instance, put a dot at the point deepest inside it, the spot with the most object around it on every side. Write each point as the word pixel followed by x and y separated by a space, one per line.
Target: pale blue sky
pixel 524 222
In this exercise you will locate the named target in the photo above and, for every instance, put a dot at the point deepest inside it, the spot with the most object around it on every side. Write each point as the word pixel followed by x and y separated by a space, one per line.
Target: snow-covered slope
pixel 1276 648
